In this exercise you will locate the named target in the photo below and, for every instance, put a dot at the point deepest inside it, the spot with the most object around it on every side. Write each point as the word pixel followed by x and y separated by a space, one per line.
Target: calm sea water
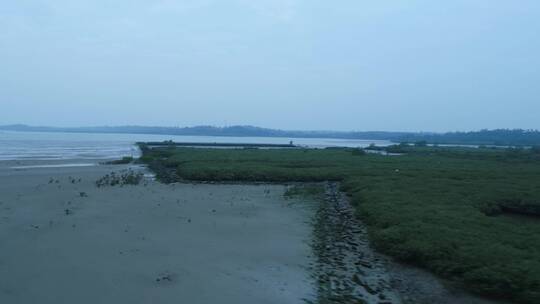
pixel 58 146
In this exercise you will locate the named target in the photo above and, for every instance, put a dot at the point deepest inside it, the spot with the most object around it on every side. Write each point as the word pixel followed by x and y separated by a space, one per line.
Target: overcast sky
pixel 291 64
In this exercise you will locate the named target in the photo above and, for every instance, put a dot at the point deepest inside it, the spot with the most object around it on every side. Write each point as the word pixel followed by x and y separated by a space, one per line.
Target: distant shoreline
pixel 235 131
pixel 498 137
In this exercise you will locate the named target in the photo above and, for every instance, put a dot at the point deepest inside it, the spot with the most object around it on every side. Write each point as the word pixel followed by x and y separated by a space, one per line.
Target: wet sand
pixel 67 241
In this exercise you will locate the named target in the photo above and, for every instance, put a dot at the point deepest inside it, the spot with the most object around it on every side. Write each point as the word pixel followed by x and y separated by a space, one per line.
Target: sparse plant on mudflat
pixel 120 179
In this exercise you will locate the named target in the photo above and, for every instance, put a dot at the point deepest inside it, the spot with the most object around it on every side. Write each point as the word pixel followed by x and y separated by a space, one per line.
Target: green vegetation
pixel 470 215
pixel 499 137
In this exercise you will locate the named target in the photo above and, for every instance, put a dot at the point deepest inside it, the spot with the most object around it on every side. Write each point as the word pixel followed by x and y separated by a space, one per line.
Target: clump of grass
pixel 358 152
pixel 113 179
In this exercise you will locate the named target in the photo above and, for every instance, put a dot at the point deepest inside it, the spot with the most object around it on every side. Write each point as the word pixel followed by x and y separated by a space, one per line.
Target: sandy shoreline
pixel 148 243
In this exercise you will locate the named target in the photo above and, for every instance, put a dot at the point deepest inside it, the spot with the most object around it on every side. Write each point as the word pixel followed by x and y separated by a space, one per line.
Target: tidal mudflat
pixel 64 240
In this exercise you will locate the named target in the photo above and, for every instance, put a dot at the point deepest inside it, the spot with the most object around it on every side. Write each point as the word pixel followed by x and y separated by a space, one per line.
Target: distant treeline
pixel 499 137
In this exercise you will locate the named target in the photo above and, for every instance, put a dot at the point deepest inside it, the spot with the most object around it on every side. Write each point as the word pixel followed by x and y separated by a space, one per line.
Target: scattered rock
pixel 166 277
pixel 347 269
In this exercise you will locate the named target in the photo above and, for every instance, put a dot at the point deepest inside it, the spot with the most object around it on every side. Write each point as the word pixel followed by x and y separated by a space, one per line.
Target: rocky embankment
pixel 348 270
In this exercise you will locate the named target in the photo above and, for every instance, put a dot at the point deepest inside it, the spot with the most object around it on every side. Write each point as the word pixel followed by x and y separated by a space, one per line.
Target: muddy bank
pixel 65 240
